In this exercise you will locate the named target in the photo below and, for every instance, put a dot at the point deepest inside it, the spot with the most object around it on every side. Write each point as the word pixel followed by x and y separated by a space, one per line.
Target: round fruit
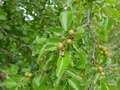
pixel 96 69
pixel 102 73
pixel 100 46
pixel 27 78
pixel 69 41
pixel 30 75
pixel 60 46
pixel 76 1
pixel 101 52
pixel 106 53
pixel 71 32
pixel 104 49
pixel 26 74
pixel 82 75
pixel 100 69
pixel 40 59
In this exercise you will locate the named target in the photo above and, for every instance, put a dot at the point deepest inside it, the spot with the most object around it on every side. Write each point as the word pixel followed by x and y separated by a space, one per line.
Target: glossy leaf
pixel 8 83
pixel 12 69
pixel 81 54
pixel 36 82
pixel 46 63
pixel 73 75
pixel 79 33
pixel 112 2
pixel 62 63
pixel 1 35
pixel 3 15
pixel 66 19
pixel 70 2
pixel 56 31
pixel 118 81
pixel 42 86
pixel 103 86
pixel 75 84
pixel 40 40
pixel 17 78
pixel 112 87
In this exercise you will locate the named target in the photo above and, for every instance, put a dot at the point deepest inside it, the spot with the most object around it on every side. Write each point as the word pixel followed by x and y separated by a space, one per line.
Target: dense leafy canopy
pixel 31 59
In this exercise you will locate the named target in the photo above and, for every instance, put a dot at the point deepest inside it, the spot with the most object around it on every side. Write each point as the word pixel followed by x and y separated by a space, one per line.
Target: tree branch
pixel 87 24
pixel 8 34
pixel 90 87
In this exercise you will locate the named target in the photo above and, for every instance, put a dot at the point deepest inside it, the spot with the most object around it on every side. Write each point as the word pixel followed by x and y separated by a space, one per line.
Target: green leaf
pixel 12 69
pixel 25 39
pixel 112 87
pixel 70 2
pixel 105 25
pixel 7 27
pixel 108 23
pixel 66 87
pixel 1 36
pixel 42 87
pixel 96 79
pixel 50 45
pixel 57 81
pixel 9 83
pixel 112 2
pixel 75 84
pixel 36 82
pixel 3 15
pixel 118 81
pixel 98 88
pixel 81 54
pixel 82 57
pixel 46 63
pixel 66 19
pixel 79 33
pixel 53 41
pixel 17 78
pixel 115 12
pixel 56 31
pixel 24 88
pixel 39 40
pixel 62 63
pixel 103 86
pixel 47 48
pixel 73 75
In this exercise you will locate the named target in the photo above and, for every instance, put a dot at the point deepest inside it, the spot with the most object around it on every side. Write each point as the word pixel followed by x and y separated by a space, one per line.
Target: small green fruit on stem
pixel 60 46
pixel 71 32
pixel 69 41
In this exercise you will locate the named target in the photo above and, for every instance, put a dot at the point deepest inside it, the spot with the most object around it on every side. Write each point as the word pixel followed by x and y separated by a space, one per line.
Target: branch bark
pixel 87 24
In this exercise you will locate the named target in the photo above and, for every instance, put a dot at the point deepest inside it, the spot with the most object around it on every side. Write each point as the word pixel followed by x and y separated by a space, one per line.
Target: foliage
pixel 30 31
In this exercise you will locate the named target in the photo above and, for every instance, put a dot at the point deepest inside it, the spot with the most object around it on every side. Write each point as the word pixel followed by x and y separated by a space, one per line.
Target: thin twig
pixel 90 87
pixel 4 31
pixel 84 25
pixel 36 5
pixel 87 24
pixel 12 55
pixel 13 20
pixel 94 43
pixel 93 37
pixel 8 34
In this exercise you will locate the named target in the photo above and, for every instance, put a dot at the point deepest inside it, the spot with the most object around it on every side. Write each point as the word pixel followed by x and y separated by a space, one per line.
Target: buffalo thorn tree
pixel 58 45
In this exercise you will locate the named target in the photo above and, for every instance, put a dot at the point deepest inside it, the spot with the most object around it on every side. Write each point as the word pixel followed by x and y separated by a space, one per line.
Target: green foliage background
pixel 30 31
